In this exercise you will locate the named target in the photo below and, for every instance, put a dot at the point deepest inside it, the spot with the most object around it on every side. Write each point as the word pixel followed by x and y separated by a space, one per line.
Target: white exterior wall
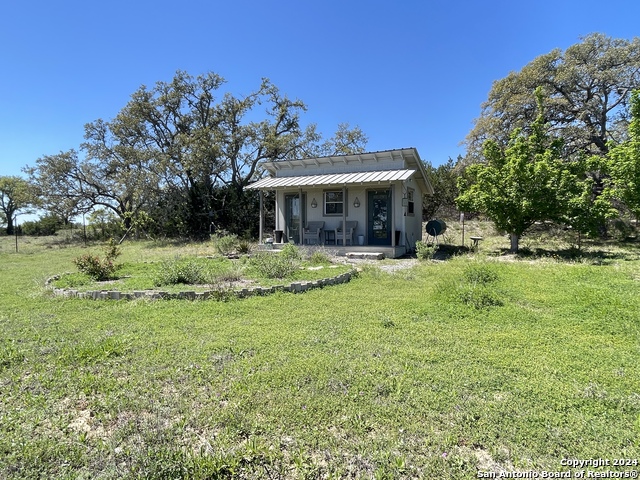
pixel 413 223
pixel 410 225
pixel 285 170
pixel 317 214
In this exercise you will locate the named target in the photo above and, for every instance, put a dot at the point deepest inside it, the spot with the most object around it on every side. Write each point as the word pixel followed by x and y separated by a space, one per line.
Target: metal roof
pixel 332 180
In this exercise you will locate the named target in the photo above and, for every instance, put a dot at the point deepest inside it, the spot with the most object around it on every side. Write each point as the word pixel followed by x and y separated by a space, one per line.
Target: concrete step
pixel 365 255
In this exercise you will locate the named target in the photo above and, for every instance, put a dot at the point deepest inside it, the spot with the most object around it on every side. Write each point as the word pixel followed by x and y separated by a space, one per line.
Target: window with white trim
pixel 333 202
pixel 410 201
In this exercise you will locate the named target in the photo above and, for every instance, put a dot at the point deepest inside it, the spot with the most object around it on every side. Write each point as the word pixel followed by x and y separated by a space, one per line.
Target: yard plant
pixel 393 375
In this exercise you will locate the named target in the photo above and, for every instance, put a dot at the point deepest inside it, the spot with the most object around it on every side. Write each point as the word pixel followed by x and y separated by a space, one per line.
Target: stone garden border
pixel 295 287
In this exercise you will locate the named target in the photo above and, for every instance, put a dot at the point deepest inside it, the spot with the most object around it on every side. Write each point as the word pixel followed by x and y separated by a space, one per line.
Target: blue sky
pixel 409 73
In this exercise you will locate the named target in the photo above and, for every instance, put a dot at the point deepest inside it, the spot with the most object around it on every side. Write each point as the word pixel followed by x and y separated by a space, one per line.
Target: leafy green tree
pixel 206 147
pixel 588 87
pixel 521 184
pixel 584 209
pixel 624 163
pixel 46 225
pixel 16 196
pixel 183 152
pixel 70 185
pixel 445 189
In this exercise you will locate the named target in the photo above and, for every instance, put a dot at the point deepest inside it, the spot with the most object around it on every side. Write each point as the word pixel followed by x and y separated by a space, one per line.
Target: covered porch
pixel 368 212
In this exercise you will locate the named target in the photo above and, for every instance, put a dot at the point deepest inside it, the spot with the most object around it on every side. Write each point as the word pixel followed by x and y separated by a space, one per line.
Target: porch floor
pixel 338 250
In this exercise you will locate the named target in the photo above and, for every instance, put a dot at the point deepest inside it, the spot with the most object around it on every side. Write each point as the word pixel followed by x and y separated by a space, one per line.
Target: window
pixel 333 203
pixel 410 202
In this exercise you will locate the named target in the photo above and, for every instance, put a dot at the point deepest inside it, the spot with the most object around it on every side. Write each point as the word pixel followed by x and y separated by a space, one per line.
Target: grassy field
pixel 480 363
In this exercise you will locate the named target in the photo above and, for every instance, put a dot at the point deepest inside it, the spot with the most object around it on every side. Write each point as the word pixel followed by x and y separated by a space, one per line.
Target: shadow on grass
pixel 446 251
pixel 573 254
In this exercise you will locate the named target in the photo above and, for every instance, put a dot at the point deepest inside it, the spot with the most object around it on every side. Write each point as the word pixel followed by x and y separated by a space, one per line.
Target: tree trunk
pixel 514 242
pixel 9 225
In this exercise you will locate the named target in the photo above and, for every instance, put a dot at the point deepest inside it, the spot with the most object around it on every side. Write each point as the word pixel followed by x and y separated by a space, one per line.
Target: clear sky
pixel 409 73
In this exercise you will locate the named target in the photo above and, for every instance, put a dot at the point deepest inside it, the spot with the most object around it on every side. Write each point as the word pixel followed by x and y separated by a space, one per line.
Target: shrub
pixel 319 258
pixel 232 274
pixel 244 246
pixel 272 265
pixel 178 270
pixel 478 290
pixel 99 268
pixel 479 297
pixel 480 274
pixel 291 252
pixel 226 244
pixel 95 267
pixel 425 251
pixel 46 225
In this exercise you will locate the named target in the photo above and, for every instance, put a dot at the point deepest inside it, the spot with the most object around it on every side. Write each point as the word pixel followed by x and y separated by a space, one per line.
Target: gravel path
pixel 388 265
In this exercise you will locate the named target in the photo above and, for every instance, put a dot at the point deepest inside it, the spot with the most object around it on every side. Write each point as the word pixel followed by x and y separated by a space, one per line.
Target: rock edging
pixel 294 287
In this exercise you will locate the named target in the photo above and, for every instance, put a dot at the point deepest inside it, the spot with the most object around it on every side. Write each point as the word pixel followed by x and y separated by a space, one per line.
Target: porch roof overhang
pixel 332 180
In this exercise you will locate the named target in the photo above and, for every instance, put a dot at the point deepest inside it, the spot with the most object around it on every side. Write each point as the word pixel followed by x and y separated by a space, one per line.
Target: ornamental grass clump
pixel 275 265
pixel 319 257
pixel 181 271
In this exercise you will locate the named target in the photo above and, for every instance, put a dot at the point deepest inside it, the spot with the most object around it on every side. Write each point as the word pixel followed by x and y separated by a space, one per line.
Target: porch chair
pixel 350 231
pixel 313 231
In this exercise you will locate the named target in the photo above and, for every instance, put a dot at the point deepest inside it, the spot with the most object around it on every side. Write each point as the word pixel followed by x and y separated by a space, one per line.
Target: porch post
pixel 276 193
pixel 261 217
pixel 344 217
pixel 392 219
pixel 301 219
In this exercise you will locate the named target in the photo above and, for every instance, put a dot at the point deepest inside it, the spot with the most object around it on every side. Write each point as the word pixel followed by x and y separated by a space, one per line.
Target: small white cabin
pixel 377 195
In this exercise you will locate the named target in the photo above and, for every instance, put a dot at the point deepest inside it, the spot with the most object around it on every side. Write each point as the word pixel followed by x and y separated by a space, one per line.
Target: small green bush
pixel 244 246
pixel 274 265
pixel 291 252
pixel 233 274
pixel 95 267
pixel 480 274
pixel 479 297
pixel 226 244
pixel 478 289
pixel 319 257
pixel 179 270
pixel 99 268
pixel 425 251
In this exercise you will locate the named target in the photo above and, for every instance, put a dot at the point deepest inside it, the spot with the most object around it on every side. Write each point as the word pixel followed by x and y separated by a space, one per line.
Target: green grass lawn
pixel 478 363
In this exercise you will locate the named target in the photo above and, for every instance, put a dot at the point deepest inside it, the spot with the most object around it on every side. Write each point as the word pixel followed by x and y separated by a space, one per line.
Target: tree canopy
pixel 15 195
pixel 521 184
pixel 624 164
pixel 445 190
pixel 588 87
pixel 182 152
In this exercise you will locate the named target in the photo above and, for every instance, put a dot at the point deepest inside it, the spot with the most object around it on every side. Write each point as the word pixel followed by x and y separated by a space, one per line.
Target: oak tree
pixel 15 197
pixel 588 87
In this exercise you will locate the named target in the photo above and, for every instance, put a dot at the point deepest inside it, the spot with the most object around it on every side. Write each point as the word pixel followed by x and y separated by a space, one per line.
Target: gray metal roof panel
pixel 337 179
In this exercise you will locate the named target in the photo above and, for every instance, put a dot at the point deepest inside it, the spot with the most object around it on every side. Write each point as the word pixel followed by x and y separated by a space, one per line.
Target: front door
pixel 378 221
pixel 294 216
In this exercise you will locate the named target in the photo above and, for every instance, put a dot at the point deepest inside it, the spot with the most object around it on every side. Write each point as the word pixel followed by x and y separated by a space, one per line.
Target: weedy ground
pixel 481 362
